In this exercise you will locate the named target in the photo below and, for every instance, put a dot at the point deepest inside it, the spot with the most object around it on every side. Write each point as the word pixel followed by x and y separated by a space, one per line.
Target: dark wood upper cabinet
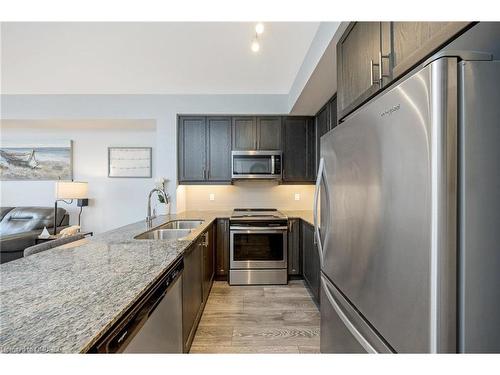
pixel 372 55
pixel 219 149
pixel 204 149
pixel 322 127
pixel 326 120
pixel 205 144
pixel 192 148
pixel 269 133
pixel 332 104
pixel 357 59
pixel 256 133
pixel 244 133
pixel 413 41
pixel 298 150
pixel 323 120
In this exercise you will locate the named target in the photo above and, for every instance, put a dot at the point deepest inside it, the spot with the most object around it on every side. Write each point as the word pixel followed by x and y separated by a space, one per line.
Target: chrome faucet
pixel 166 198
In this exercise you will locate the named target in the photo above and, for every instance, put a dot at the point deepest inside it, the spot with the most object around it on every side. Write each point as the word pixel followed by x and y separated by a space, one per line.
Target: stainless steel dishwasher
pixel 154 325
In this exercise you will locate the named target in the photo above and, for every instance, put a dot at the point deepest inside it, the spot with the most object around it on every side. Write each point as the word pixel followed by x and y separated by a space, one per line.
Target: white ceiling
pixel 151 58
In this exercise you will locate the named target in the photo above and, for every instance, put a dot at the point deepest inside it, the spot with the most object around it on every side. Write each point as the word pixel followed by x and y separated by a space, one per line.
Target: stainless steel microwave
pixel 256 165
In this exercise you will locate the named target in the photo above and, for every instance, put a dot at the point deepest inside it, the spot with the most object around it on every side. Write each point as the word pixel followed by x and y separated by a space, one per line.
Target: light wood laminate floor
pixel 258 319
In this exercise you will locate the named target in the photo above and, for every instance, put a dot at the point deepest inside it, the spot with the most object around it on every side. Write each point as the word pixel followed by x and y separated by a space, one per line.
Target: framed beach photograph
pixel 130 162
pixel 51 160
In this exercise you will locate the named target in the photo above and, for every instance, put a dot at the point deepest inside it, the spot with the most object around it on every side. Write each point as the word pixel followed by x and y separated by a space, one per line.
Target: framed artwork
pixel 130 162
pixel 51 160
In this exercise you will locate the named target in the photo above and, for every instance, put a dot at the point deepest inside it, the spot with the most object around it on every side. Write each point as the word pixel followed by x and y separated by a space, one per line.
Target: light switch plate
pixel 211 196
pixel 297 196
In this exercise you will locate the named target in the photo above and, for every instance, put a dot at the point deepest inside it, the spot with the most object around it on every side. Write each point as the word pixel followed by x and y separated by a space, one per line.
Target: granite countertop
pixel 64 299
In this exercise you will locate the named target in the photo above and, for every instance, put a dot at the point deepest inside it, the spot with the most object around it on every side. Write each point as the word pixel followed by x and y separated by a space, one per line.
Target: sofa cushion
pixel 25 219
pixel 4 211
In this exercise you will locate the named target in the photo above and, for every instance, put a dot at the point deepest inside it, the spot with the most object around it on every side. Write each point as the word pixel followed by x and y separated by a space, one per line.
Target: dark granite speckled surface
pixel 64 299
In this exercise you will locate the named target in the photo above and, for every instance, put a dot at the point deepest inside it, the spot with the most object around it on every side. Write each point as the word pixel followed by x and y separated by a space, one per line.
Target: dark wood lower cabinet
pixel 197 281
pixel 192 292
pixel 310 261
pixel 208 263
pixel 222 249
pixel 294 248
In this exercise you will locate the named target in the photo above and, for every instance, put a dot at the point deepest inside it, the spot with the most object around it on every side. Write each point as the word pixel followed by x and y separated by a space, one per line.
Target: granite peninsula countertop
pixel 64 299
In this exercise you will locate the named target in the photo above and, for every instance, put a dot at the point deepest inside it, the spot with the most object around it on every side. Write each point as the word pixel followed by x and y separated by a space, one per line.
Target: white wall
pixel 320 43
pixel 162 109
pixel 112 200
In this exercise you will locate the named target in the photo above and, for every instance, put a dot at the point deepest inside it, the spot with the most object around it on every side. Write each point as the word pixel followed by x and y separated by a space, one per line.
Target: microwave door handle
pixel 272 165
pixel 317 236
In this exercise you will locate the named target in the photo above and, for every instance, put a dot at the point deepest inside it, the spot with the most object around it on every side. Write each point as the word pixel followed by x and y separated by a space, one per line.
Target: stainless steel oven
pixel 256 165
pixel 258 250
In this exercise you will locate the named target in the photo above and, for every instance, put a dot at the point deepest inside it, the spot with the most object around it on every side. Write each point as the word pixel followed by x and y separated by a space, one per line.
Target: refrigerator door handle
pixel 357 335
pixel 317 237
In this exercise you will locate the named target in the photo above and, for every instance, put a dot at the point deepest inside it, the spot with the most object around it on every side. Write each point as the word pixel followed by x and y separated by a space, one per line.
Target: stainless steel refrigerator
pixel 409 224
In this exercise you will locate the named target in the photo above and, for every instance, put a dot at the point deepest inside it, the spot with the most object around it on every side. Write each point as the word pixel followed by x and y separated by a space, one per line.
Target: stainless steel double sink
pixel 175 229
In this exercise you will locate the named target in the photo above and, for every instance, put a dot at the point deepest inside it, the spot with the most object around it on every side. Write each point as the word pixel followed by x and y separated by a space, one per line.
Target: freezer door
pixel 343 330
pixel 391 248
pixel 480 207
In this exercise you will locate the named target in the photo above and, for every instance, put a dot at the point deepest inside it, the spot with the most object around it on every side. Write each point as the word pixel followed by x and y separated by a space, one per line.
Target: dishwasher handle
pixel 120 337
pixel 119 340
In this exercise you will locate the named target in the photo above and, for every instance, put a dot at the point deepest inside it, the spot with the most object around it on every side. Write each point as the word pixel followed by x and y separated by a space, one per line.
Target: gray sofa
pixel 20 226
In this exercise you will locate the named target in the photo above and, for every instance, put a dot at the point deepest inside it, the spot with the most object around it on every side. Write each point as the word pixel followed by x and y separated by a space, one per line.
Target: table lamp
pixel 69 190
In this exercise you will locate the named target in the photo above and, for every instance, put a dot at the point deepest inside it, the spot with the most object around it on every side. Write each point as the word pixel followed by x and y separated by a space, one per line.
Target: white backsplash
pixel 244 194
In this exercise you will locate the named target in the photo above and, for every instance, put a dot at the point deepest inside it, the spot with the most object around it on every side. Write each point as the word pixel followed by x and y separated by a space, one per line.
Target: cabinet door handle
pixel 381 74
pixel 372 79
pixel 257 134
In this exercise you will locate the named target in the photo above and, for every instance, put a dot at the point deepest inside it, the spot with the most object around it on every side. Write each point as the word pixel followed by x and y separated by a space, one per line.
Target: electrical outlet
pixel 211 196
pixel 297 196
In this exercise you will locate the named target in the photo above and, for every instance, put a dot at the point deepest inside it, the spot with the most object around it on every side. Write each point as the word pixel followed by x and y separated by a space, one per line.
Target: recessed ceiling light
pixel 259 28
pixel 255 46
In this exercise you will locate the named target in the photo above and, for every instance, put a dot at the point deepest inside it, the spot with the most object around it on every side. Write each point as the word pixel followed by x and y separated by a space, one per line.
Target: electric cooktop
pixel 257 213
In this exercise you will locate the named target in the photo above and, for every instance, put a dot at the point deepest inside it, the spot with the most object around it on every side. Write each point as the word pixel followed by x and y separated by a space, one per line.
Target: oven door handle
pixel 260 229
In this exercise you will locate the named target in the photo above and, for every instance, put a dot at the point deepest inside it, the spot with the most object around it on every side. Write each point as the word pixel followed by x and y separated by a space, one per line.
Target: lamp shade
pixel 71 190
